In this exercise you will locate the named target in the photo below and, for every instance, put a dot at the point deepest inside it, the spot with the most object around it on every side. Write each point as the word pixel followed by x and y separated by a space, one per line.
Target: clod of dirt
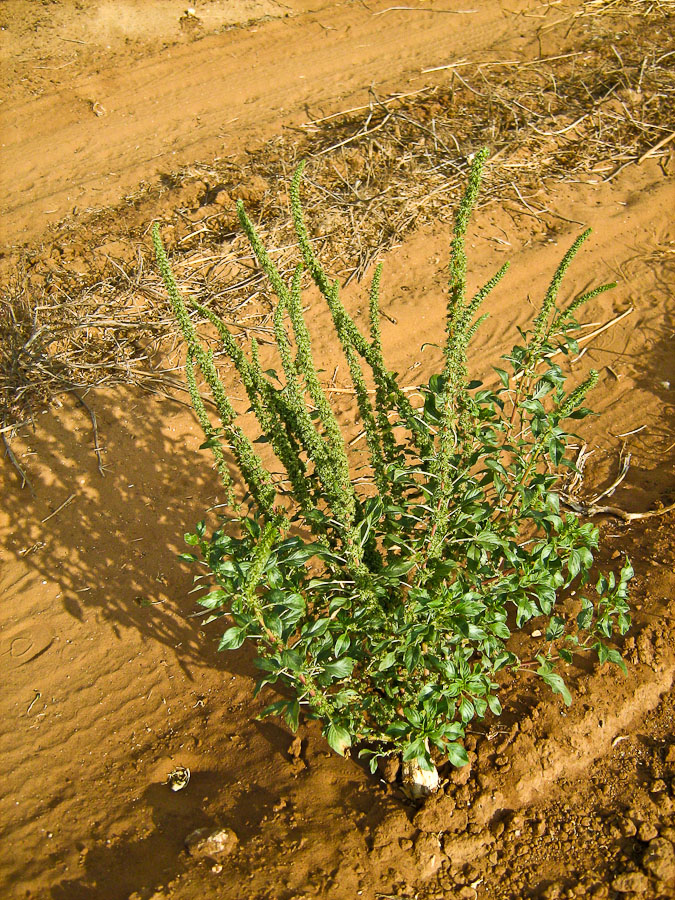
pixel 212 844
pixel 428 855
pixel 295 749
pixel 467 848
pixel 627 827
pixel 461 776
pixel 659 860
pixel 631 882
pixel 389 768
pixel 438 814
pixel 252 191
pixel 647 832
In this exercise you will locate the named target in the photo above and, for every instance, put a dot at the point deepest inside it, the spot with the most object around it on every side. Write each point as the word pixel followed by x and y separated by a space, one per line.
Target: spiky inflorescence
pixel 459 330
pixel 363 402
pixel 328 452
pixel 344 324
pixel 382 394
pixel 258 479
pixel 542 322
pixel 261 396
pixel 210 433
pixel 576 397
pixel 568 313
pixel 305 364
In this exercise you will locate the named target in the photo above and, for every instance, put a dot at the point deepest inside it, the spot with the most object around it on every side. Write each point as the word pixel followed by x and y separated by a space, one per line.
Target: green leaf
pixel 338 738
pixel 414 750
pixel 500 630
pixel 466 710
pixel 615 657
pixel 457 754
pixel 214 599
pixel 274 709
pixel 316 629
pixel 503 376
pixel 412 658
pixel 555 682
pixel 603 652
pixel 210 443
pixel 574 564
pixel 556 450
pixel 397 729
pixel 398 567
pixel 191 539
pixel 274 623
pixel 494 704
pixel 232 639
pixel 341 668
pixel 387 661
pixel 555 629
pixel 292 715
pixel 495 466
pixel 343 643
pixel 585 617
pixel 293 660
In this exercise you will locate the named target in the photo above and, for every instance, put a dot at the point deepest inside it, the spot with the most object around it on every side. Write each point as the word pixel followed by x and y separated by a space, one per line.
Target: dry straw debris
pixel 375 174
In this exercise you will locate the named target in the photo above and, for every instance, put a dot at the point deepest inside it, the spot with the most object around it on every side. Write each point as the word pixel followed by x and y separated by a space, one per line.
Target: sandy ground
pixel 109 679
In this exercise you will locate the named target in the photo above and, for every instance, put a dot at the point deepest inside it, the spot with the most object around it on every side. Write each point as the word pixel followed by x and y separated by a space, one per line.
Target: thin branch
pixel 25 481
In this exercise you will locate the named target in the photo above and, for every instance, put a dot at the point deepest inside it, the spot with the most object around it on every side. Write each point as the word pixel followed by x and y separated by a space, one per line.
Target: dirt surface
pixel 116 114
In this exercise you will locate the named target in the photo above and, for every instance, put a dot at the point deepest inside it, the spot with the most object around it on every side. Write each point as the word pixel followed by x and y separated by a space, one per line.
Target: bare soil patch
pixel 110 681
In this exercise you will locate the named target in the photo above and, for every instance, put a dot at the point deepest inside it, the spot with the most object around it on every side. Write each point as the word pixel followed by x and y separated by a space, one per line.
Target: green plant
pixel 388 610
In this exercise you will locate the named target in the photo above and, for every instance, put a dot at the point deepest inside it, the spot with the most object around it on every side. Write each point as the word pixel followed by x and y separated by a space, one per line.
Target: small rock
pixel 627 827
pixel 657 786
pixel 670 755
pixel 214 844
pixel 552 892
pixel 540 828
pixel 647 832
pixel 631 882
pixel 659 859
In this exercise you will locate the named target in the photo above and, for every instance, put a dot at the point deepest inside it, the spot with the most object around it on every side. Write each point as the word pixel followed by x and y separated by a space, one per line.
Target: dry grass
pixel 374 175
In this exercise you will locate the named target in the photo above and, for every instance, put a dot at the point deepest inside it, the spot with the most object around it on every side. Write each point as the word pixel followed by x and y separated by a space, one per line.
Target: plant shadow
pixel 111 541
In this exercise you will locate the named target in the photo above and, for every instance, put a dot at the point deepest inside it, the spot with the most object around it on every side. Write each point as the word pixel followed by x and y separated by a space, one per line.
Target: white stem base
pixel 418 782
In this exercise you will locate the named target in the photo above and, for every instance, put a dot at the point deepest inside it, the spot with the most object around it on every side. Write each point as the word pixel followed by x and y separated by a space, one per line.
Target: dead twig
pixel 454 12
pixel 624 465
pixel 25 480
pixel 584 509
pixel 58 509
pixel 92 416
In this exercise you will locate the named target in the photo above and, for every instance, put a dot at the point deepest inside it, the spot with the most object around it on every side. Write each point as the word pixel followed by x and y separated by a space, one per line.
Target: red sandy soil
pixel 108 680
